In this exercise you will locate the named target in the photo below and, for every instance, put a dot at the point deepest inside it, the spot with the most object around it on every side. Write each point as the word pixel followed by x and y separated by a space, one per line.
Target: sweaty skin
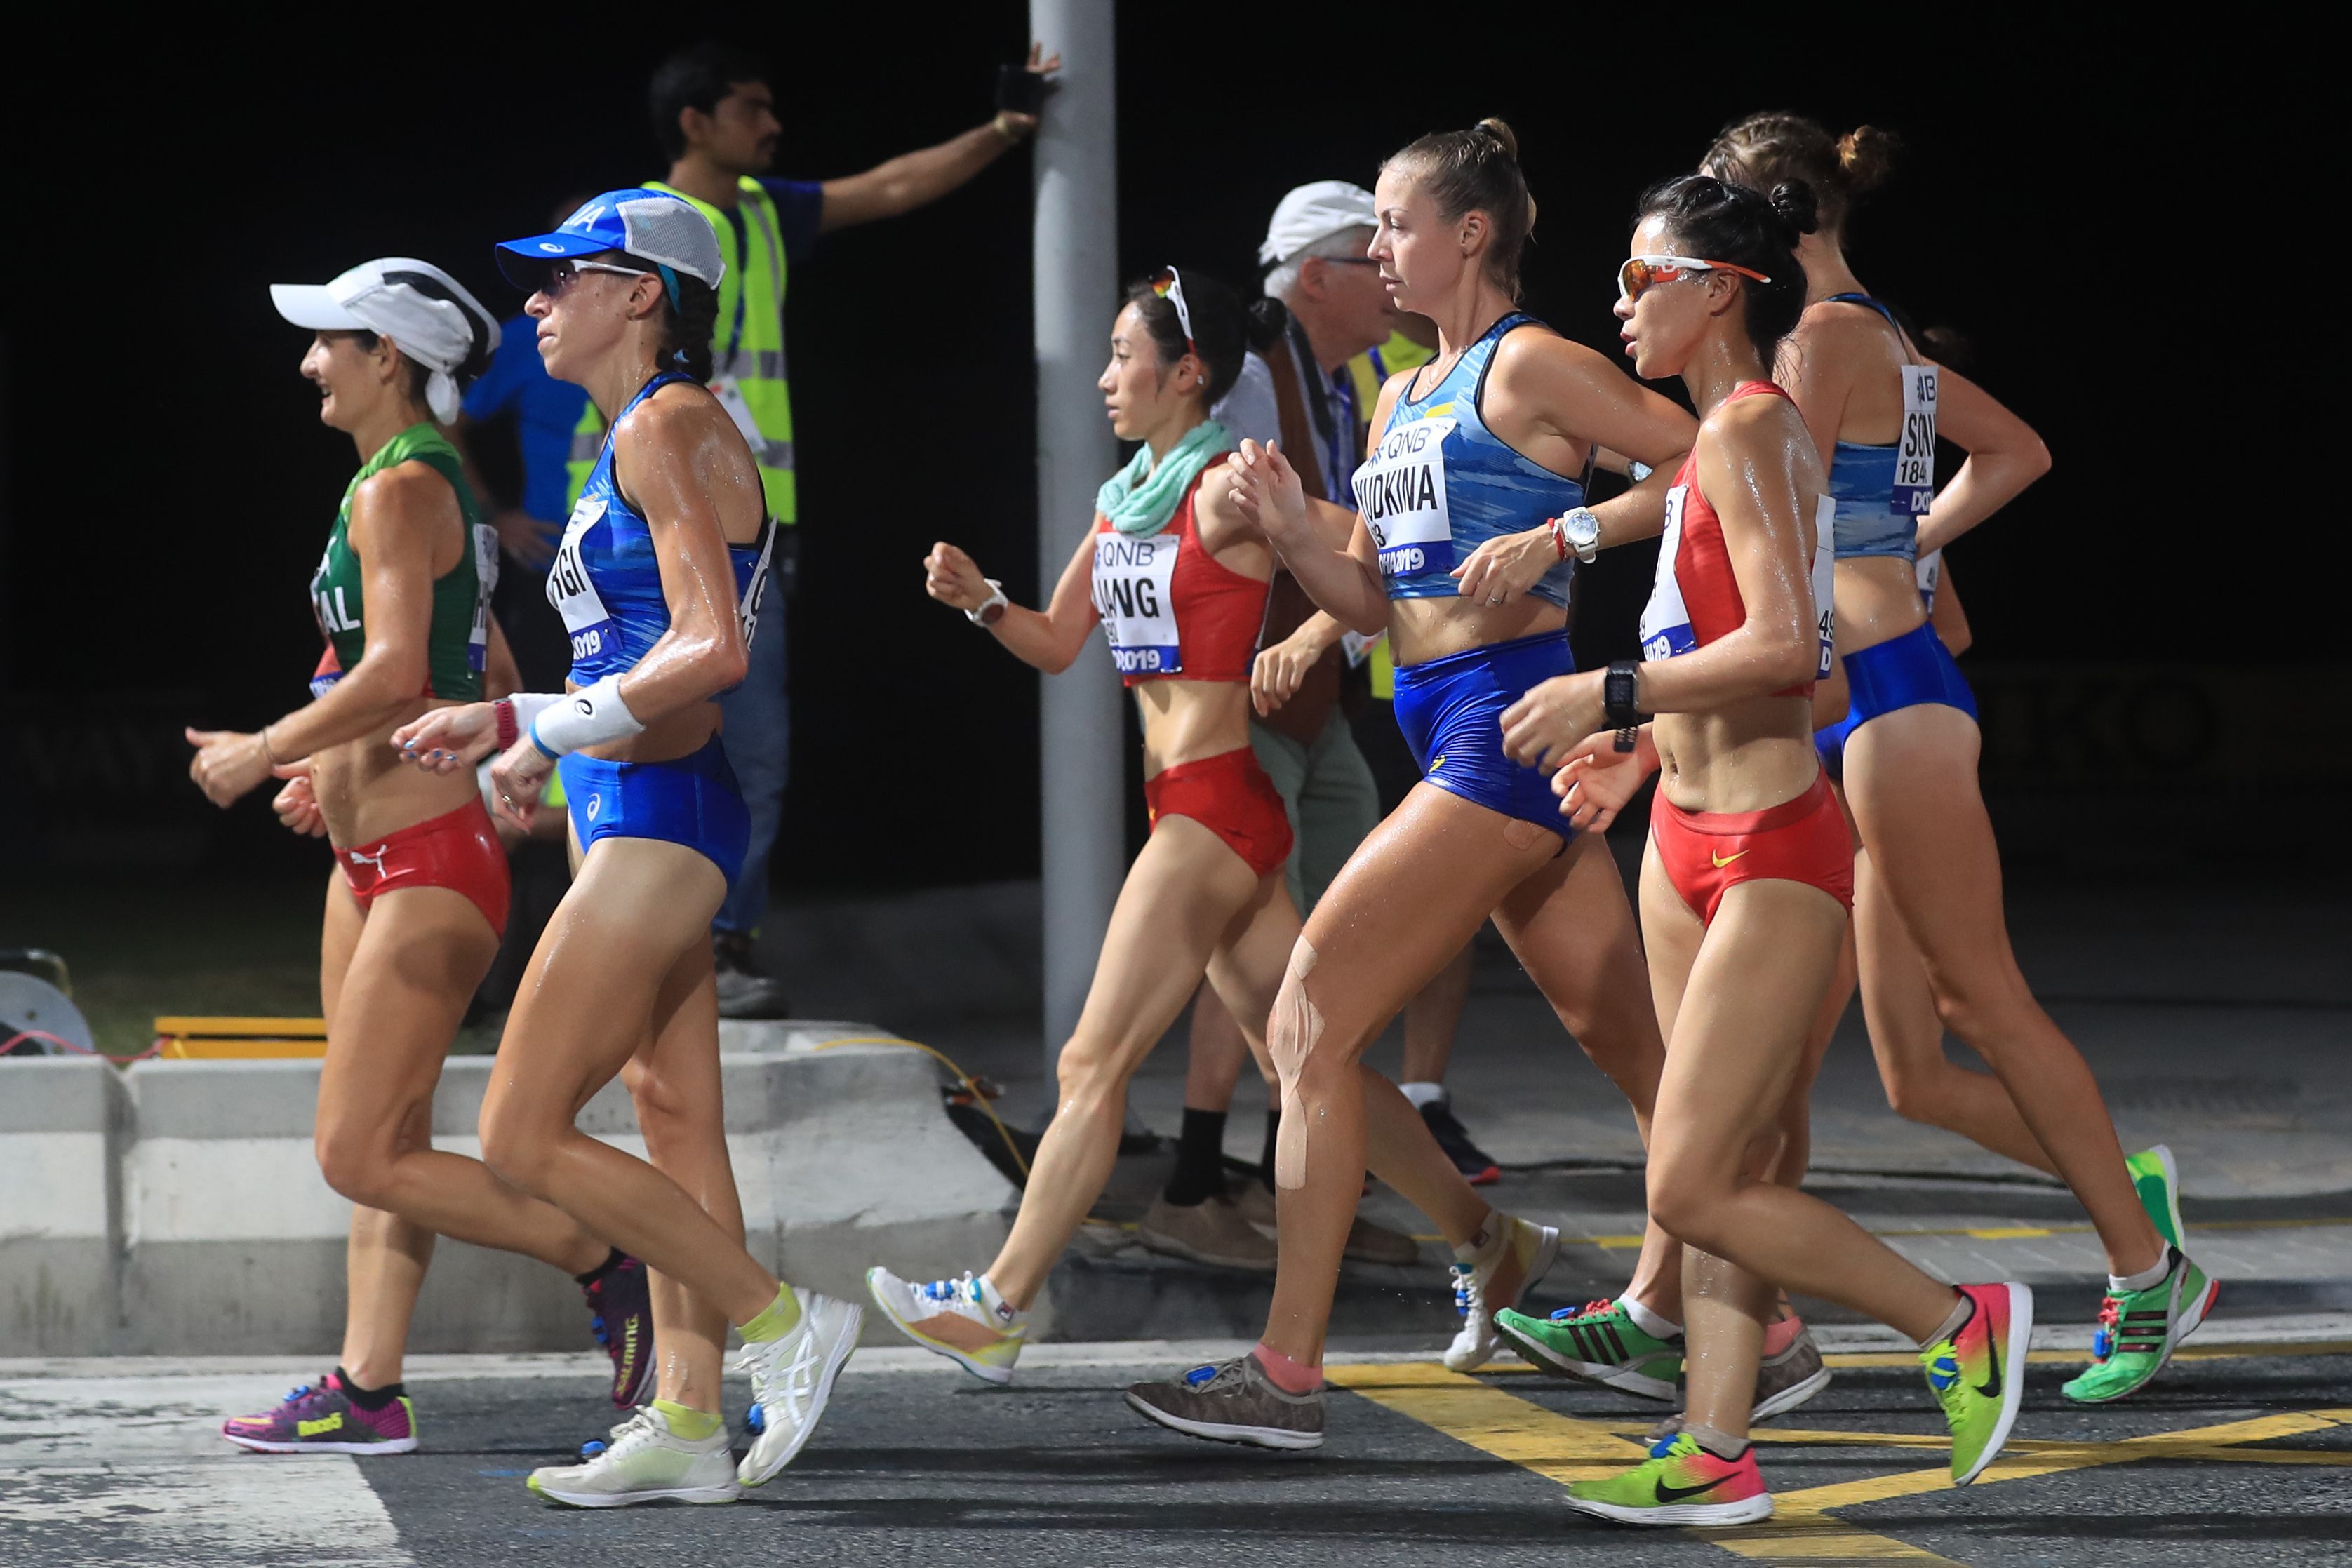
pixel 1297 1025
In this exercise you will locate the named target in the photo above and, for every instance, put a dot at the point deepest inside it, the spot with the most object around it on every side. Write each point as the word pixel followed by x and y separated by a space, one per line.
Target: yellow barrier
pixel 217 1038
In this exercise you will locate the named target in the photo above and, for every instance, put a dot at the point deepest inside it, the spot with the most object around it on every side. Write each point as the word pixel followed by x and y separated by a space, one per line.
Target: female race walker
pixel 1749 872
pixel 658 578
pixel 1473 454
pixel 1875 406
pixel 419 893
pixel 1177 576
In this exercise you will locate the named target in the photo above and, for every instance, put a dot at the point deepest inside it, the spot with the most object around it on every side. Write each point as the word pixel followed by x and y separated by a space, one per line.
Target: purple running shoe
pixel 621 1303
pixel 325 1420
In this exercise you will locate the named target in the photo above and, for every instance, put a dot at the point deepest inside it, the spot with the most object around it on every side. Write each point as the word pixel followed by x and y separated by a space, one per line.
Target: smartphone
pixel 1019 90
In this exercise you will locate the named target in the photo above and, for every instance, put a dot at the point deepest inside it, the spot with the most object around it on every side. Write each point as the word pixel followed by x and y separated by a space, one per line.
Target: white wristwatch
pixel 989 611
pixel 1580 530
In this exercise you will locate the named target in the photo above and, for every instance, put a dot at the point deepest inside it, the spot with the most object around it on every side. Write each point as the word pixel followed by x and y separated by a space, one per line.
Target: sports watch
pixel 1580 531
pixel 1617 689
pixel 991 609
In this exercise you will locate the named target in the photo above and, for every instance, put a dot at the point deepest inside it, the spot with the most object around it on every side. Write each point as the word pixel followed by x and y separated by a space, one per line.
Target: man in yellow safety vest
pixel 714 114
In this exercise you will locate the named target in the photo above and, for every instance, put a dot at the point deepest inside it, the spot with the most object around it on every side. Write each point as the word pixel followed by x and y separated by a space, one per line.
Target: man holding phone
pixel 714 115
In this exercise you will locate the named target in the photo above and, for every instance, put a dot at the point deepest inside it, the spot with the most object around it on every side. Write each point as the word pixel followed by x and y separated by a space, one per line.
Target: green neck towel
pixel 1140 498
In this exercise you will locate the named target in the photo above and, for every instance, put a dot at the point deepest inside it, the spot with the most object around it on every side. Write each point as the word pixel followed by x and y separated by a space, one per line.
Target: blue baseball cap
pixel 652 226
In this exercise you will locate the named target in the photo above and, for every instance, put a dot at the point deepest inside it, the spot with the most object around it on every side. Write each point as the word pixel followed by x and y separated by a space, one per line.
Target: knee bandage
pixel 1291 1034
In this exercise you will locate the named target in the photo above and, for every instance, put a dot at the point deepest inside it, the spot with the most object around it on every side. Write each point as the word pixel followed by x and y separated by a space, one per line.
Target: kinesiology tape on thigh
pixel 1290 1035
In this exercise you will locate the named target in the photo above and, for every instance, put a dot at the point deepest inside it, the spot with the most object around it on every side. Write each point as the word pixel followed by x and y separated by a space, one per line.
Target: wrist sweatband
pixel 526 707
pixel 510 728
pixel 588 717
pixel 1617 690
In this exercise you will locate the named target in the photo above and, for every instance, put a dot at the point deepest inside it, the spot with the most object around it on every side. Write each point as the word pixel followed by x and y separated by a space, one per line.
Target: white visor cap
pixel 1315 212
pixel 429 315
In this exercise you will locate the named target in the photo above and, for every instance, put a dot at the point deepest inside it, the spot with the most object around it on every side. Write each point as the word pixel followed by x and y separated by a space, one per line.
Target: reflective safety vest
pixel 747 346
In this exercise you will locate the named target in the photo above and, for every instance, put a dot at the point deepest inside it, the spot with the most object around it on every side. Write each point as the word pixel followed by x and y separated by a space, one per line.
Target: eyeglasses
pixel 1641 272
pixel 561 275
pixel 1166 284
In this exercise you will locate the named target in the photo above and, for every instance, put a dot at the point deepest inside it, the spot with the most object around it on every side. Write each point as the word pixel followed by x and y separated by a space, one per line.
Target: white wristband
pixel 588 717
pixel 529 706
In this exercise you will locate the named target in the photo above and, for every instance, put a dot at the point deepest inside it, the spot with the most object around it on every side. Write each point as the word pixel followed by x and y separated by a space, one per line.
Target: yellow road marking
pixel 2007 1233
pixel 2038 1358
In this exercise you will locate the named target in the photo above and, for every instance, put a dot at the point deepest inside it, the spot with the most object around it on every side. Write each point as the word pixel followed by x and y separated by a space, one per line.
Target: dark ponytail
pixel 1478 169
pixel 688 329
pixel 1711 220
pixel 1219 329
pixel 1268 318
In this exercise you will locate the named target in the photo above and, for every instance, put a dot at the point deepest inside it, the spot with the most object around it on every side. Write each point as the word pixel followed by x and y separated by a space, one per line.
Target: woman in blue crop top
pixel 1927 872
pixel 1453 556
pixel 657 580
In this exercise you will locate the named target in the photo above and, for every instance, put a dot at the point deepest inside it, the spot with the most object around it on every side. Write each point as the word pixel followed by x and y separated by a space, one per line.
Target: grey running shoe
pixel 745 989
pixel 1368 1241
pixel 1233 1402
pixel 1212 1231
pixel 1783 1381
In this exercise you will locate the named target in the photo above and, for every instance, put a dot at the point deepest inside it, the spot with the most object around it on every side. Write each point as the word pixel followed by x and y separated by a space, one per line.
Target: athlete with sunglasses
pixel 658 579
pixel 1177 575
pixel 1750 874
pixel 1931 882
pixel 1452 555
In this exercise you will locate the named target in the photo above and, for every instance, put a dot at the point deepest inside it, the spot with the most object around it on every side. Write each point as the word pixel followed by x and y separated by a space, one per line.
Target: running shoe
pixel 1491 1273
pixel 2157 1181
pixel 1477 1166
pixel 2139 1330
pixel 792 1377
pixel 621 1316
pixel 963 1319
pixel 1680 1484
pixel 1369 1241
pixel 1598 1342
pixel 1979 1374
pixel 645 1462
pixel 745 989
pixel 1212 1231
pixel 1783 1381
pixel 1233 1402
pixel 325 1419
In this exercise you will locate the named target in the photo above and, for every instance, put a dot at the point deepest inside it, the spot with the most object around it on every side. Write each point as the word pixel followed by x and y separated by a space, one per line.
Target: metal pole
pixel 1076 246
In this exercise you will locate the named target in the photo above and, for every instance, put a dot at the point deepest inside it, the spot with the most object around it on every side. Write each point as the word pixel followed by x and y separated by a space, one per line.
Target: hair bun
pixel 1866 156
pixel 1794 200
pixel 1502 134
pixel 1265 320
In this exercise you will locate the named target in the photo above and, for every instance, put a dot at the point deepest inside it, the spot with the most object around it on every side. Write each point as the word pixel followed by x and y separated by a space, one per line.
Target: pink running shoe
pixel 325 1420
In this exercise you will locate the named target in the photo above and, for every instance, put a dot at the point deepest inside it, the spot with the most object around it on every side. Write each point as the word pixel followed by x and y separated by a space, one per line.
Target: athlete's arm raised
pixel 398 519
pixel 2005 455
pixel 1756 465
pixel 1541 384
pixel 1049 640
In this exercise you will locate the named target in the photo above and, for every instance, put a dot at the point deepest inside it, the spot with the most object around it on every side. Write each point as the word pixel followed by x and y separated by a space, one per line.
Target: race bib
pixel 730 393
pixel 1914 454
pixel 1825 580
pixel 486 582
pixel 570 591
pixel 1134 594
pixel 755 593
pixel 1401 491
pixel 1929 571
pixel 1665 622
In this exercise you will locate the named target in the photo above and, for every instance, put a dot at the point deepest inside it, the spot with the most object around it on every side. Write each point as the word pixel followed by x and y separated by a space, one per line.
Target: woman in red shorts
pixel 1749 880
pixel 1178 578
pixel 419 893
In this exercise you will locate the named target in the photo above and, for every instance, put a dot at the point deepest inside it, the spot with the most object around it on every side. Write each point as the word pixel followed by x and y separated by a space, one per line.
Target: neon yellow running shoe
pixel 1680 1483
pixel 1979 1374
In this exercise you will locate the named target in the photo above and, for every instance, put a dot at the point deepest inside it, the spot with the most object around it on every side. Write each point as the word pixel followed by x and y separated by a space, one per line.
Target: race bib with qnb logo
pixel 570 591
pixel 1914 454
pixel 1134 592
pixel 1825 580
pixel 1665 621
pixel 1927 571
pixel 1401 492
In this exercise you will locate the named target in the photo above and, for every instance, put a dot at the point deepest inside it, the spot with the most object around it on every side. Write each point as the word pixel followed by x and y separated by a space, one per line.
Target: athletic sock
pixel 2148 1279
pixel 1200 1173
pixel 1648 1321
pixel 369 1398
pixel 1779 1336
pixel 781 1317
pixel 1722 1445
pixel 1290 1376
pixel 1002 1312
pixel 687 1422
pixel 1266 1159
pixel 613 1258
pixel 1962 1311
pixel 1424 1094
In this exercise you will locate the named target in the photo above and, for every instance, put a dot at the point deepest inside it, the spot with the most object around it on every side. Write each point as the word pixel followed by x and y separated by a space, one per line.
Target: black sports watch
pixel 1617 694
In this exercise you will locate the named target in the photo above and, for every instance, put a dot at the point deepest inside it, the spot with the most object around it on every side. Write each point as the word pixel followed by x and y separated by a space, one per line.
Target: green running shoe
pixel 1979 1374
pixel 1598 1342
pixel 2157 1182
pixel 1679 1483
pixel 2139 1330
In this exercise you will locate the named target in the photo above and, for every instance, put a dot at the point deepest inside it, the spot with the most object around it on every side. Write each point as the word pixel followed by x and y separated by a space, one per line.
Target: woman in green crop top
pixel 415 905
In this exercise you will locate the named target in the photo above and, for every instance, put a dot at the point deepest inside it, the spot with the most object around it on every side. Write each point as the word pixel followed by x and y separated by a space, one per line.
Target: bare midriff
pixel 367 791
pixel 1191 721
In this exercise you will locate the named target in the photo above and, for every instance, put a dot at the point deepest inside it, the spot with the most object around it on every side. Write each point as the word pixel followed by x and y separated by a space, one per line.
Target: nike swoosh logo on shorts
pixel 1722 861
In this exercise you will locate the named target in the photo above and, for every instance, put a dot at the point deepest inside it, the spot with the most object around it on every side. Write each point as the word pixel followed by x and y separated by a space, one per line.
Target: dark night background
pixel 167 483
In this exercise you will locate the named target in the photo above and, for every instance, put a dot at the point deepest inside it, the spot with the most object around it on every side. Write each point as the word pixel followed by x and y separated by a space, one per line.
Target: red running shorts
pixel 459 851
pixel 1230 796
pixel 1707 854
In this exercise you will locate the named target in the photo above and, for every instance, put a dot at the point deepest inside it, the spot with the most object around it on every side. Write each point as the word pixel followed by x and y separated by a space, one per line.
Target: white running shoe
pixel 645 1462
pixel 1492 1273
pixel 964 1320
pixel 791 1378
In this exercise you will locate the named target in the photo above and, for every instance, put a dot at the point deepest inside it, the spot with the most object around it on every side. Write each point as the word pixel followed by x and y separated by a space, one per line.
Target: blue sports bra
pixel 606 583
pixel 1880 491
pixel 1440 483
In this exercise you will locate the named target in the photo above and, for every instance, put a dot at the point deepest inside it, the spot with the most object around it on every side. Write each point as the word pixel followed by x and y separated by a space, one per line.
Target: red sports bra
pixel 1171 609
pixel 1695 598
